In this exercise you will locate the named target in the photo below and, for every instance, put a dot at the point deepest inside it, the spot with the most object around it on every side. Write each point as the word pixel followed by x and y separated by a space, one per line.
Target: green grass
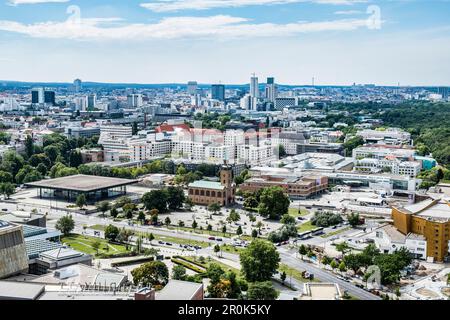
pixel 307 226
pixel 198 231
pixel 98 227
pixel 294 212
pixel 84 244
pixel 296 274
pixel 208 262
pixel 231 249
pixel 335 232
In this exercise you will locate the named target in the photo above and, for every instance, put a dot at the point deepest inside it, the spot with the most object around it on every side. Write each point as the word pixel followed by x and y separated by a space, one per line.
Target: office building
pixel 134 100
pixel 192 87
pixel 77 84
pixel 49 97
pixel 297 187
pixel 271 90
pixel 281 103
pixel 254 87
pixel 218 92
pixel 37 95
pixel 91 101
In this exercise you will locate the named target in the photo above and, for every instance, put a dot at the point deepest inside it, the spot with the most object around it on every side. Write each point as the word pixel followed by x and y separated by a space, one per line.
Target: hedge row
pixel 187 265
pixel 191 262
pixel 132 261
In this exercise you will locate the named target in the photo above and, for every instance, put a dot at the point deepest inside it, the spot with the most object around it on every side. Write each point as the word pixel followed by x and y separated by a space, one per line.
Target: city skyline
pixel 338 42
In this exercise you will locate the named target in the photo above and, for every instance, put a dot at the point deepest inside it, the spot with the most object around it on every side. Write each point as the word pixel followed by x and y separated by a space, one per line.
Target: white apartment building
pixel 381 153
pixel 388 239
pixel 390 136
pixel 255 155
pixel 144 149
pixel 394 166
pixel 219 153
pixel 116 132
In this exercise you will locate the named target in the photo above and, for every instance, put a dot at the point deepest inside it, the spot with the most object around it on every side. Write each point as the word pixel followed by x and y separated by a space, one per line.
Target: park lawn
pixel 98 227
pixel 335 232
pixel 296 274
pixel 307 226
pixel 294 212
pixel 84 244
pixel 231 249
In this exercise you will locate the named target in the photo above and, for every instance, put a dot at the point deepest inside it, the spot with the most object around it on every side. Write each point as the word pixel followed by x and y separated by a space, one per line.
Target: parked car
pixel 211 238
pixel 168 244
pixel 218 239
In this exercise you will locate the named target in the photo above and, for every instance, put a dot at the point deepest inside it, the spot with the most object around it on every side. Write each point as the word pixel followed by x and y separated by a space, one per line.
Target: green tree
pixel 7 189
pixel 65 224
pixel 178 272
pixel 239 231
pixel 259 261
pixel 167 221
pixel 214 208
pixel 283 276
pixel 29 146
pixel 151 274
pixel 353 219
pixel 156 199
pixel 175 198
pixel 273 203
pixel 262 291
pixel 254 233
pixel 302 250
pixel 194 224
pixel 111 233
pixel 216 249
pixel 103 206
pixel 343 248
pixel 96 245
pixel 81 201
pixel 113 212
pixel 287 219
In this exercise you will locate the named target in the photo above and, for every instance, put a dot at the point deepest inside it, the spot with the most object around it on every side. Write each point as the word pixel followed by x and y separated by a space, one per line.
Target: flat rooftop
pixel 81 182
pixel 12 290
pixel 204 184
pixel 179 290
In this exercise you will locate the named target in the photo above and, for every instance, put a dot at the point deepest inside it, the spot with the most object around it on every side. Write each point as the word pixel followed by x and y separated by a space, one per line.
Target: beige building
pixel 13 251
pixel 321 291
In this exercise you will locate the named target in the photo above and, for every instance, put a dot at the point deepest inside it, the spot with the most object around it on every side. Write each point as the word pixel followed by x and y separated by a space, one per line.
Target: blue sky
pixel 157 41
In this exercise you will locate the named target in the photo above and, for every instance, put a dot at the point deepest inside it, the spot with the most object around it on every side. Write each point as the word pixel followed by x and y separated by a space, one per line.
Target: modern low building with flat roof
pixel 93 187
pixel 181 290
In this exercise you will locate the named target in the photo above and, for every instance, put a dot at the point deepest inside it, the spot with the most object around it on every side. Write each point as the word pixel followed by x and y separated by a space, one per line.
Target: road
pixel 288 257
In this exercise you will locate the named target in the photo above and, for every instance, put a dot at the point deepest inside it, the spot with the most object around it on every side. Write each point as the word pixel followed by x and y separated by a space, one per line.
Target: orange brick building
pixel 430 218
pixel 295 187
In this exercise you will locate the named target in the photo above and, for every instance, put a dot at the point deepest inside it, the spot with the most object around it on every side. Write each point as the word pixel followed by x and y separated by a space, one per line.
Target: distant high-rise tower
pixel 443 91
pixel 77 85
pixel 91 101
pixel 254 87
pixel 218 92
pixel 271 89
pixel 49 97
pixel 37 95
pixel 192 87
pixel 134 100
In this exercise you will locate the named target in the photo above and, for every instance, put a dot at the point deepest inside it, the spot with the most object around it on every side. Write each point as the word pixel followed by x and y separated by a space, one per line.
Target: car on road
pixel 161 242
pixel 218 239
pixel 4 209
pixel 211 238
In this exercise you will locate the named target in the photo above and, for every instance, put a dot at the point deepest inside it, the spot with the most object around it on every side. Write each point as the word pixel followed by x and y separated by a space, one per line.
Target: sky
pixel 338 42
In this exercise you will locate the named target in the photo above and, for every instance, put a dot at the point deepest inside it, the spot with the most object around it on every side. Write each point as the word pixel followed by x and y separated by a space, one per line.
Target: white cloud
pixel 348 12
pixel 19 2
pixel 219 26
pixel 178 5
